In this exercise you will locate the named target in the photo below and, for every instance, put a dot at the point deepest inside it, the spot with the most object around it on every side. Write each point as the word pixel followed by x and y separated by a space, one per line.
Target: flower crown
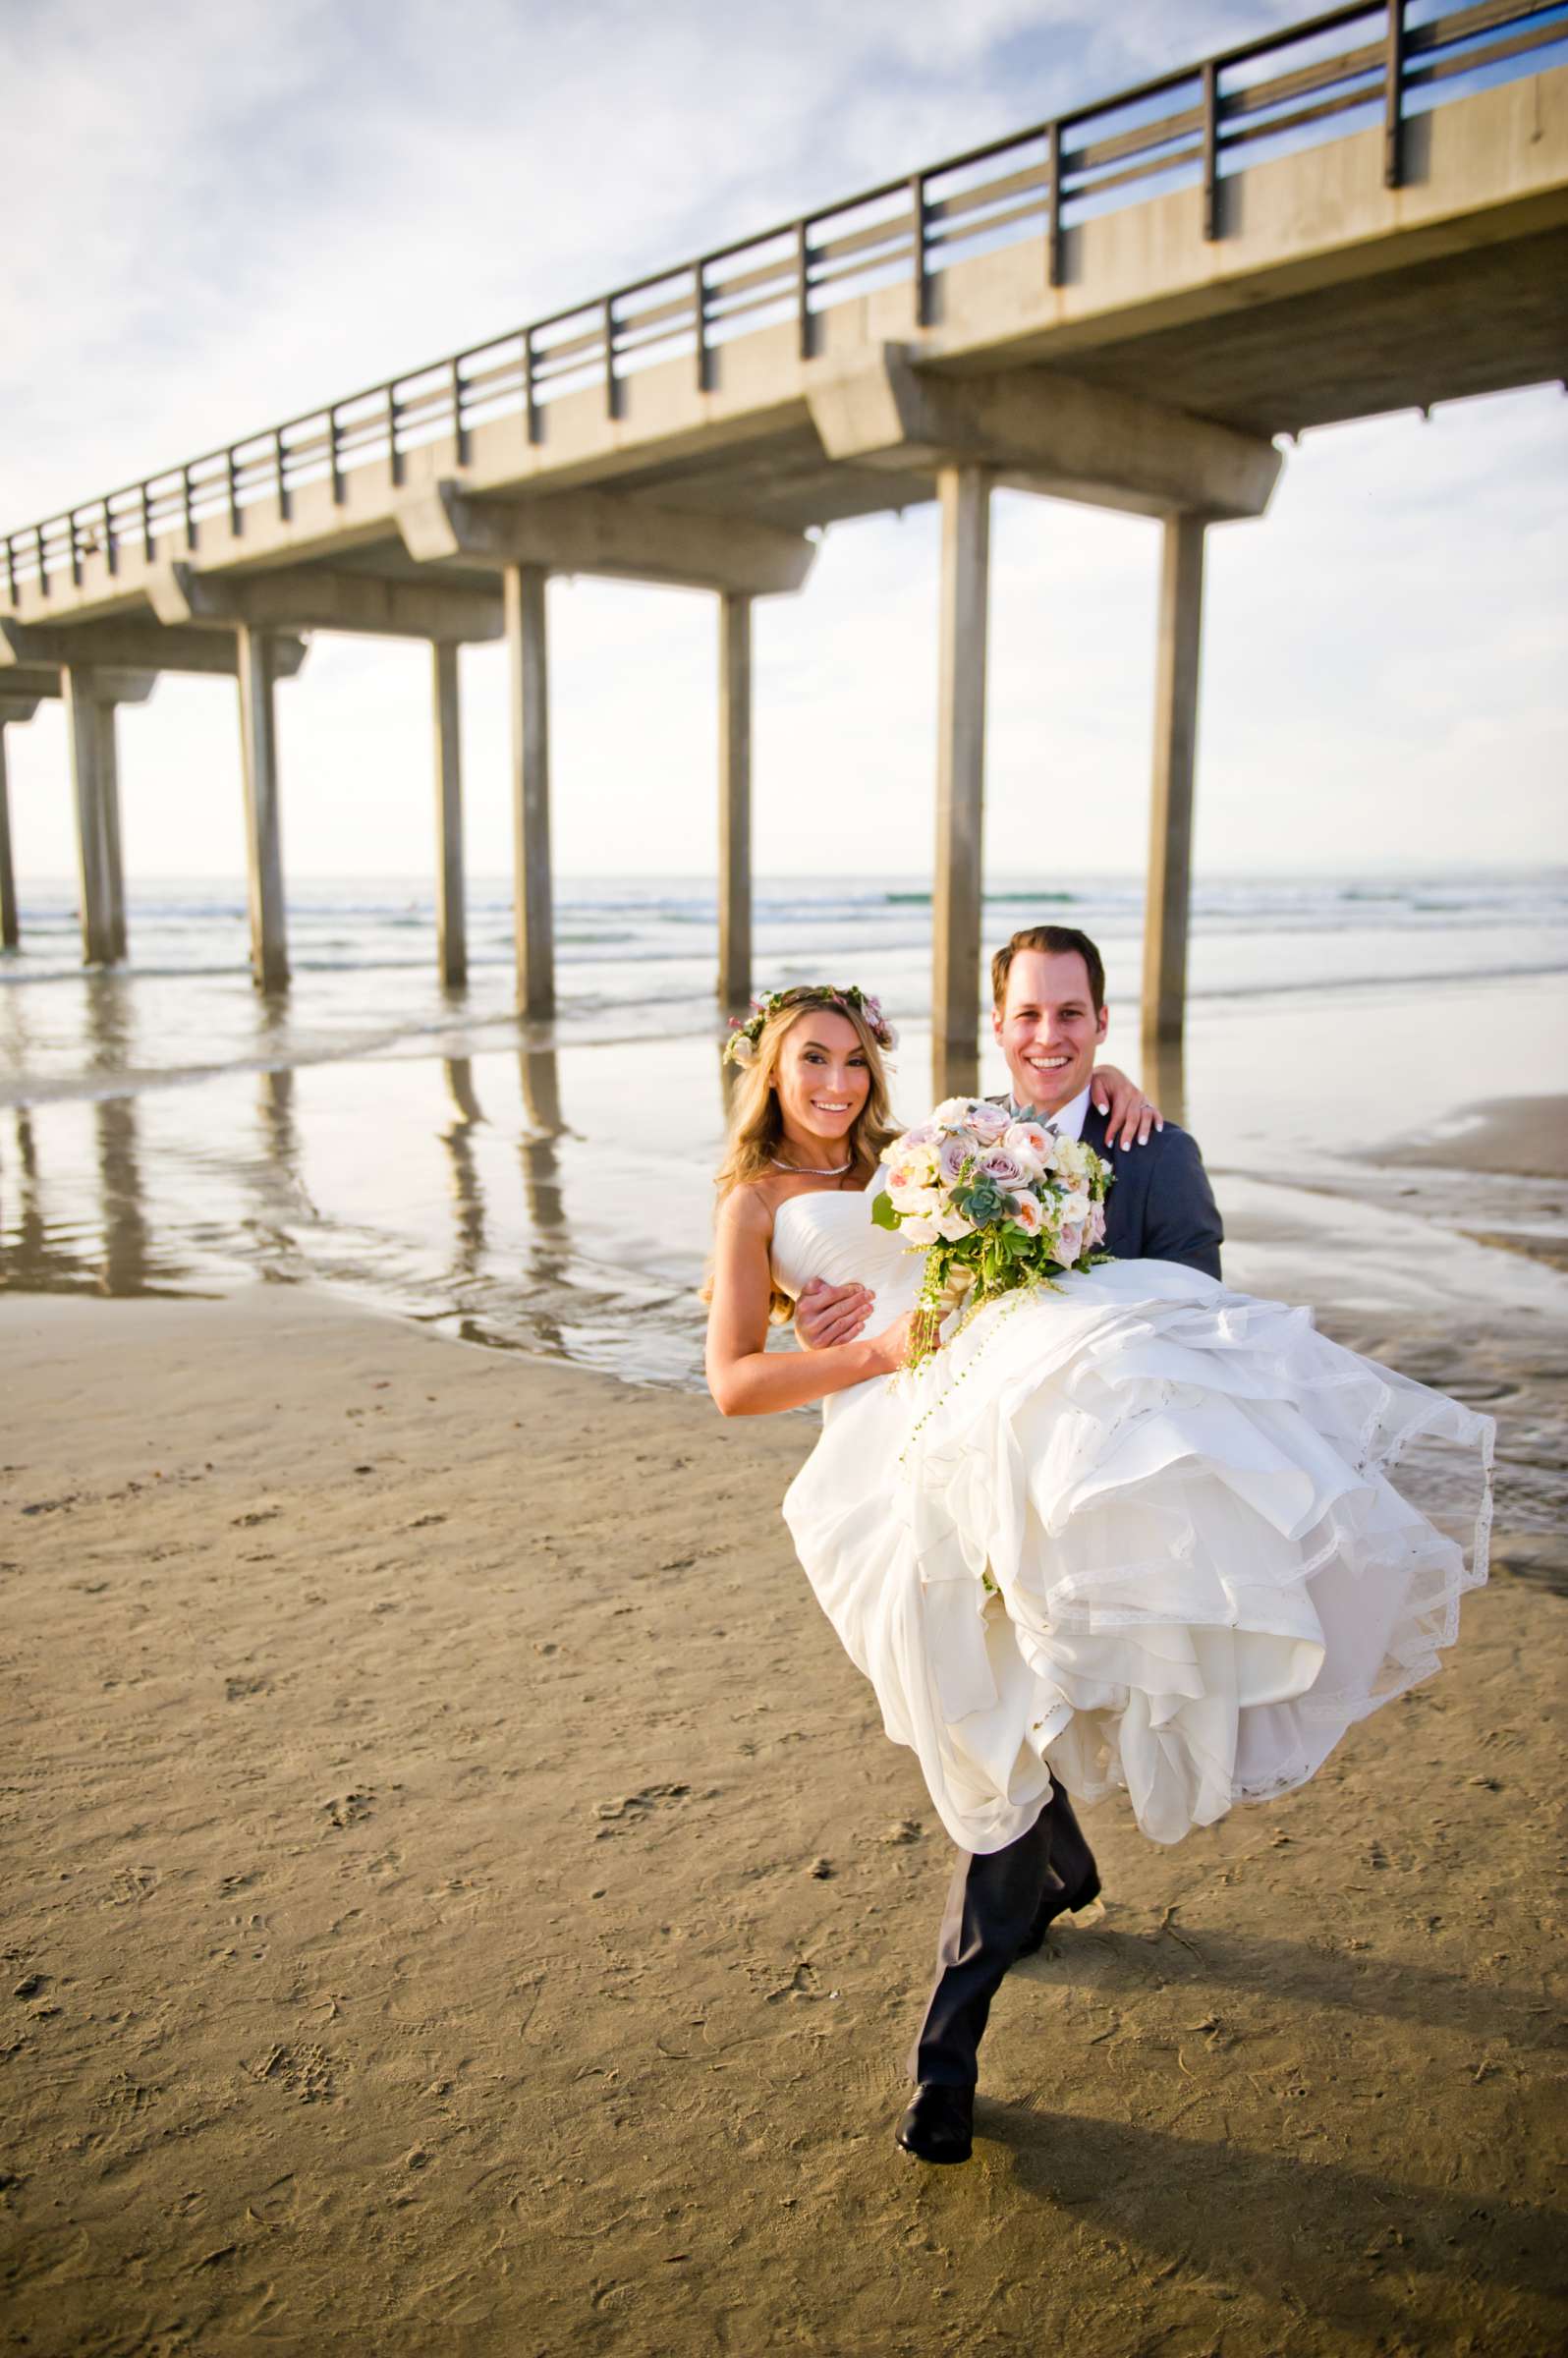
pixel 745 1032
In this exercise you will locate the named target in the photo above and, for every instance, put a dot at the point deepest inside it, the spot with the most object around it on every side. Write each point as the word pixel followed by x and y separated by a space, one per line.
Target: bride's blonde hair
pixel 757 1125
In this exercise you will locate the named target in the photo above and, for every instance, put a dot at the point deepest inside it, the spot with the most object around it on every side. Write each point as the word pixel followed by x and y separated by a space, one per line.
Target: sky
pixel 239 212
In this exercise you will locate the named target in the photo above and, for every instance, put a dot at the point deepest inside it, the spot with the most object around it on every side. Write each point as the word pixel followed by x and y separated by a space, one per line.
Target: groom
pixel 1048 1015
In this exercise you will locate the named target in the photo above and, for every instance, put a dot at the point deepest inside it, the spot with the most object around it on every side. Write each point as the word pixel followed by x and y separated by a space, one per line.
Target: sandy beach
pixel 459 1896
pixel 461 1899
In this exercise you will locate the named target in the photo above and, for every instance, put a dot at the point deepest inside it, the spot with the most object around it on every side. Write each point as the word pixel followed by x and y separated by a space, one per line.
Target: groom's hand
pixel 829 1313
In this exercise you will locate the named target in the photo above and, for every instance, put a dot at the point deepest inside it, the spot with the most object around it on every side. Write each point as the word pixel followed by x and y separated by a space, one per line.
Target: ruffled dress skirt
pixel 1139 1536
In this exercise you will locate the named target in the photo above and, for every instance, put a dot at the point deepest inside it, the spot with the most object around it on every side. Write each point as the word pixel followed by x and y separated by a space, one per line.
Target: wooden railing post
pixel 916 206
pixel 1053 207
pixel 1393 96
pixel 531 422
pixel 1211 149
pixel 460 440
pixel 699 321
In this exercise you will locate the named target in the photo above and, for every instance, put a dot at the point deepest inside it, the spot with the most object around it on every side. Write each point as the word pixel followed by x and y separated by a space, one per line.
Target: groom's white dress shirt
pixel 1069 1123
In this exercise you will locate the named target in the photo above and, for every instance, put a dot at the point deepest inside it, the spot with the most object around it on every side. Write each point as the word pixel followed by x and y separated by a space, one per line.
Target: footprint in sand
pixel 237 1687
pixel 131 1884
pixel 632 1807
pixel 348 1808
pixel 306 2072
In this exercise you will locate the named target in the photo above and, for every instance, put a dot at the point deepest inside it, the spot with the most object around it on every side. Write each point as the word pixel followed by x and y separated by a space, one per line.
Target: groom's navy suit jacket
pixel 1160 1206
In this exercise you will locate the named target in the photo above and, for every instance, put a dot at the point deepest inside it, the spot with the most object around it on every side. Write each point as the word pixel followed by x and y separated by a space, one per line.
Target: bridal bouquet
pixel 996 1204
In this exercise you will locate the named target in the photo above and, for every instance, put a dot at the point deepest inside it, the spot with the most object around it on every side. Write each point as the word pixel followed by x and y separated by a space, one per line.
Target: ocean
pixel 164 1129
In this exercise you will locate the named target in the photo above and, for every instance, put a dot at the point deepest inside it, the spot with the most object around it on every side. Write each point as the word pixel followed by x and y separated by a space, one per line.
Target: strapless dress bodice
pixel 832 1236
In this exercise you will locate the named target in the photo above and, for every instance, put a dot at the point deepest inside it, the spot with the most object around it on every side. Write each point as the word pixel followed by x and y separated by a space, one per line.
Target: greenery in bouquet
pixel 996 1203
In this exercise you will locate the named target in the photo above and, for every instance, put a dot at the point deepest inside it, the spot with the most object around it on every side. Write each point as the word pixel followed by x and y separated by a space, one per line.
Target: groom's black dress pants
pixel 996 1901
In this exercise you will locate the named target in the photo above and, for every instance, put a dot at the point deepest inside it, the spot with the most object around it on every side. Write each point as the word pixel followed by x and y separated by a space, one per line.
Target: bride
pixel 1135 1535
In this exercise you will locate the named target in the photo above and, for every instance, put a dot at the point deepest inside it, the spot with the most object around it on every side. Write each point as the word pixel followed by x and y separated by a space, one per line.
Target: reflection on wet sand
pixel 108 1252
pixel 50 1243
pixel 110 1015
pixel 125 1239
pixel 394 1178
pixel 467 1192
pixel 547 1259
pixel 24 1251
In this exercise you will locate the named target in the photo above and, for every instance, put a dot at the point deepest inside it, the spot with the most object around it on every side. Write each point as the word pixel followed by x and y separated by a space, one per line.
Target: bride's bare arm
pixel 745 1378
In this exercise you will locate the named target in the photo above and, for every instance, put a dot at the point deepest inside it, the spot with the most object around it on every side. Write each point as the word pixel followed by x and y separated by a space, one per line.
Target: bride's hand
pixel 1129 1110
pixel 892 1345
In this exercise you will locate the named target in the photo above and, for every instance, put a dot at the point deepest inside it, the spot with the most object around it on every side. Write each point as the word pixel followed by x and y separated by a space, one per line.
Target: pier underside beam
pixel 11 710
pixel 131 646
pixel 735 800
pixel 529 712
pixel 1170 828
pixel 95 780
pixel 263 833
pixel 451 919
pixel 596 531
pixel 309 597
pixel 34 684
pixel 964 496
pixel 1038 431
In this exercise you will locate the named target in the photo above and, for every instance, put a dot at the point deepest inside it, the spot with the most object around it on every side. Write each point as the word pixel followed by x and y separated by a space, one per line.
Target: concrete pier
pixel 451 915
pixel 964 493
pixel 1124 308
pixel 263 833
pixel 94 776
pixel 529 713
pixel 10 928
pixel 734 801
pixel 1170 822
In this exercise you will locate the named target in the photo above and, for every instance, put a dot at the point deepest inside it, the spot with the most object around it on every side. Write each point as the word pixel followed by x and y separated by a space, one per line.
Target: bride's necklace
pixel 800 1171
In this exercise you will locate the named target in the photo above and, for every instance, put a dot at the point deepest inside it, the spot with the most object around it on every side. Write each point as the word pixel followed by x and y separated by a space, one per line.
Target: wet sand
pixel 461 1900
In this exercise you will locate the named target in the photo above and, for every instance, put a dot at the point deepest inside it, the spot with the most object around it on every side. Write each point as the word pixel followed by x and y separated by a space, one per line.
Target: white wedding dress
pixel 1137 1536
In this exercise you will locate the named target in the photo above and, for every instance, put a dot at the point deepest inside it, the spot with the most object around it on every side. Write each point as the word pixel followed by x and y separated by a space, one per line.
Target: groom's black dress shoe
pixel 939 2125
pixel 1051 1908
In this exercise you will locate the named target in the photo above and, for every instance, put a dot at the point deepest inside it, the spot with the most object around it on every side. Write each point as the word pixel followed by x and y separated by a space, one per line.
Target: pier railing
pixel 1335 73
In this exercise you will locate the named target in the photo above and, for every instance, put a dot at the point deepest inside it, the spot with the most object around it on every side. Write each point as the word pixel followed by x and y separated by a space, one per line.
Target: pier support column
pixel 9 931
pixel 1170 829
pixel 964 496
pixel 94 777
pixel 263 839
pixel 451 919
pixel 528 706
pixel 735 800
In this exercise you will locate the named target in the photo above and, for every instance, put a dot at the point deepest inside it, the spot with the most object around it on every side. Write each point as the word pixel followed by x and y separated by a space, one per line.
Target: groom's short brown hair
pixel 1057 940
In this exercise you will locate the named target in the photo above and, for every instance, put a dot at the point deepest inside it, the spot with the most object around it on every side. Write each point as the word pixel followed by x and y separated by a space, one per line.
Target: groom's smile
pixel 1049 1027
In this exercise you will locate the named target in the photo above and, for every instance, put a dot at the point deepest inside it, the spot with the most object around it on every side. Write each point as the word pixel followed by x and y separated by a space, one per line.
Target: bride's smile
pixel 823 1082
